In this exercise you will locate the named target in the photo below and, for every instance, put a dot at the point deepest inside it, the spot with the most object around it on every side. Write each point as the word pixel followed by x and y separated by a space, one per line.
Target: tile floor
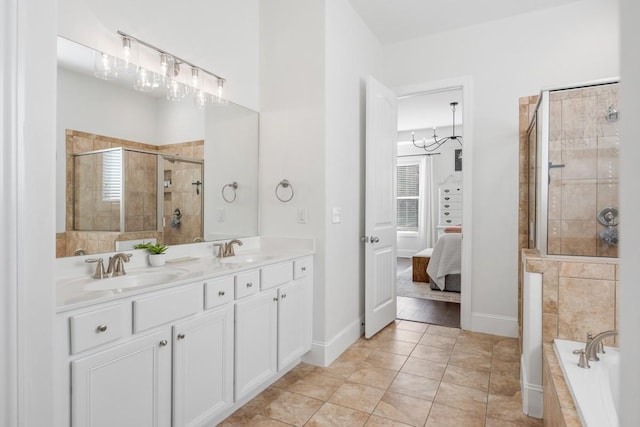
pixel 409 374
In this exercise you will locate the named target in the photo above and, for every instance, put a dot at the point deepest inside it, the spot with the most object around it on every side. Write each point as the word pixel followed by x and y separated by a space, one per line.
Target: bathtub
pixel 595 391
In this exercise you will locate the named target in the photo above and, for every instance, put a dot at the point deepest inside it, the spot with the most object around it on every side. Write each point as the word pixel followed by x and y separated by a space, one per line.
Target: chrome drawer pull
pixel 446 213
pixel 249 284
pixel 180 336
pixel 304 269
pixel 163 343
pixel 221 293
pixel 447 198
pixel 101 328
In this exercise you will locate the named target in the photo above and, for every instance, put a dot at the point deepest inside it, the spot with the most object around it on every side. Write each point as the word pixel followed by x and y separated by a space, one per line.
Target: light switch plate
pixel 221 214
pixel 336 215
pixel 302 216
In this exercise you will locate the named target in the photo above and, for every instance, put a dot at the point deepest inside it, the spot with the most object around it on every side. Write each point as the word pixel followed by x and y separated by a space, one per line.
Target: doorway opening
pixel 430 205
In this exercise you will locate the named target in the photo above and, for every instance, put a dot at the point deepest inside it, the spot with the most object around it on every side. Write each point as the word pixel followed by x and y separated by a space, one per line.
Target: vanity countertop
pixel 75 291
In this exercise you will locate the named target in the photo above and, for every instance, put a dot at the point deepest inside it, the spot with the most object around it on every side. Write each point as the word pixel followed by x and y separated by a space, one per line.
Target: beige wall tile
pixel 549 327
pixel 586 270
pixel 585 305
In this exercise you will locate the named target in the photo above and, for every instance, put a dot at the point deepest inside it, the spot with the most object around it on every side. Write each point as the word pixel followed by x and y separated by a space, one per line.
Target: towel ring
pixel 234 187
pixel 284 184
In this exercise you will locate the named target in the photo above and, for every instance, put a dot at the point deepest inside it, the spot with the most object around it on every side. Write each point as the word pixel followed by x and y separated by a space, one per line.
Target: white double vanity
pixel 184 344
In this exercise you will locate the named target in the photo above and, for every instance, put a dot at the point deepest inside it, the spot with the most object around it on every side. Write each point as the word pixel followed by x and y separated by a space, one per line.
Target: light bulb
pixel 175 90
pixel 104 66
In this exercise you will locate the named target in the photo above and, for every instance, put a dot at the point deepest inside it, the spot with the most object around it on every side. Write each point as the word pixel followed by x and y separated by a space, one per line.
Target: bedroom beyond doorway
pixel 419 303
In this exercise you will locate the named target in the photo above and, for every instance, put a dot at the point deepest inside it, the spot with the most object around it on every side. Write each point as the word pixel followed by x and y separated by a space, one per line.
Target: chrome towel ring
pixel 234 187
pixel 284 184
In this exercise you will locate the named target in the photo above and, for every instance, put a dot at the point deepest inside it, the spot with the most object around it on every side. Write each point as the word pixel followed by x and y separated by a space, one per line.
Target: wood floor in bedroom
pixel 426 311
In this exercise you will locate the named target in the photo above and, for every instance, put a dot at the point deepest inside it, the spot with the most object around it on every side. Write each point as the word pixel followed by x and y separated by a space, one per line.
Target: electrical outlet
pixel 302 216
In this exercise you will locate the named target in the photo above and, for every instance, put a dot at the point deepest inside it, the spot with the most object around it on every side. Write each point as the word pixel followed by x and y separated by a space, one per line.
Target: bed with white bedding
pixel 445 265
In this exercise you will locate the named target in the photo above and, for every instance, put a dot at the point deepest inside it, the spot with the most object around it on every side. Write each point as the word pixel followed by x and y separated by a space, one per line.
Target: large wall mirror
pixel 133 165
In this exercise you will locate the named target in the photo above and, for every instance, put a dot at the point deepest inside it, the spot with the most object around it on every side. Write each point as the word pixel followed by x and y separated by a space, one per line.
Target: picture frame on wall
pixel 457 160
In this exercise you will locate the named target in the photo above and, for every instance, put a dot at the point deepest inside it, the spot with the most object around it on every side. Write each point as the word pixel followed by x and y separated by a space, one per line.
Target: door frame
pixel 466 84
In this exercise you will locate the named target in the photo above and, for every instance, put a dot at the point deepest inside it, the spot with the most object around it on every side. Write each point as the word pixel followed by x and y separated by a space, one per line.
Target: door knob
pixel 163 343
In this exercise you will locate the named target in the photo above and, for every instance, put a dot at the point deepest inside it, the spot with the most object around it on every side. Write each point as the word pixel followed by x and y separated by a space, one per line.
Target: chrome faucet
pixel 595 345
pixel 228 248
pixel 116 264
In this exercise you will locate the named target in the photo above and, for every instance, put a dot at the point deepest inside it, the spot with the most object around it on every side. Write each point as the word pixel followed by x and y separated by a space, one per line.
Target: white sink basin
pixel 130 280
pixel 245 259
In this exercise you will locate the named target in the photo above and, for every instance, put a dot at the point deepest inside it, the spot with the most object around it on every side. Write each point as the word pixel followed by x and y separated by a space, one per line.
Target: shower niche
pixel 141 193
pixel 573 147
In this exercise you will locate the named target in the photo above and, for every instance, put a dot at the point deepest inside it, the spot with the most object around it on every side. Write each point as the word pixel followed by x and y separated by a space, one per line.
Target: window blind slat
pixel 408 192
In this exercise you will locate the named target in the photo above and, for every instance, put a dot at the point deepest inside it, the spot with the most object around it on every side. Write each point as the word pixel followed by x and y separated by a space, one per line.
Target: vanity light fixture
pixel 130 54
pixel 169 74
pixel 105 66
pixel 437 142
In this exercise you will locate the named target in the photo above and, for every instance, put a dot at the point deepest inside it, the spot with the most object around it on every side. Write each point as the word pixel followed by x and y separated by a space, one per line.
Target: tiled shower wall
pixel 140 205
pixel 586 143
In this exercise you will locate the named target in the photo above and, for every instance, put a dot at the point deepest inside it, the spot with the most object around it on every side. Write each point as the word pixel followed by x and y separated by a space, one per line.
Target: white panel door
pixel 203 367
pixel 126 386
pixel 380 207
pixel 256 323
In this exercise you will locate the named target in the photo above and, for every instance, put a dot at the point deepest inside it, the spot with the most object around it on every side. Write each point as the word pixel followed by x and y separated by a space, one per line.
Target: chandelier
pixel 437 142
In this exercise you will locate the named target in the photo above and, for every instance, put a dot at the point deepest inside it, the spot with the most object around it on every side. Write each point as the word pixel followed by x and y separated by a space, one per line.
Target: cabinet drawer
pixel 96 327
pixel 156 310
pixel 275 275
pixel 450 198
pixel 451 190
pixel 218 292
pixel 450 221
pixel 451 213
pixel 247 283
pixel 302 267
pixel 446 205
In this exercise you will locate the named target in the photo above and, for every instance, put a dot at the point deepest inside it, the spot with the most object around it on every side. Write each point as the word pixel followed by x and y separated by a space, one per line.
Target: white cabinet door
pixel 202 367
pixel 255 341
pixel 126 386
pixel 294 321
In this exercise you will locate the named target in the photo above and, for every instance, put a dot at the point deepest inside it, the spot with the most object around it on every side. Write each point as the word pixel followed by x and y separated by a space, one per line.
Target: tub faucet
pixel 228 247
pixel 596 344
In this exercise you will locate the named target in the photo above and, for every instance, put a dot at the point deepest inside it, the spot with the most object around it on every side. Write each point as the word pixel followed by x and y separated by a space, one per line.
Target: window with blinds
pixel 111 176
pixel 408 197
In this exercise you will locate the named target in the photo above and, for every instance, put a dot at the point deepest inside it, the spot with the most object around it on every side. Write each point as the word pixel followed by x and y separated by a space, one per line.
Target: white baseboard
pixel 324 353
pixel 496 325
pixel 532 397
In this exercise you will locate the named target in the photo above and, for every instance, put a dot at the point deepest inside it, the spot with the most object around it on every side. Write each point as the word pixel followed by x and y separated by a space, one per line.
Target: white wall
pixel 27 203
pixel 629 291
pixel 352 53
pixel 292 128
pixel 218 35
pixel 505 60
pixel 314 56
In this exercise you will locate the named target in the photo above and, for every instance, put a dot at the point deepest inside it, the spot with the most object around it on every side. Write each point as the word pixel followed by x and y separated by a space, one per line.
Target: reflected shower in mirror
pixel 174 157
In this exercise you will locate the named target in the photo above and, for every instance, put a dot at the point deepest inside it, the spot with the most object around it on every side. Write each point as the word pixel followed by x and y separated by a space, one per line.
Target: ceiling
pixel 429 110
pixel 393 21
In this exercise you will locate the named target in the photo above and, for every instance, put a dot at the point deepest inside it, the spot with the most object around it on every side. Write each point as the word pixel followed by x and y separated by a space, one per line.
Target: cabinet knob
pixel 275 299
pixel 304 269
pixel 220 293
pixel 446 213
pixel 283 296
pixel 446 206
pixel 447 198
pixel 447 190
pixel 163 343
pixel 101 328
pixel 249 284
pixel 180 336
